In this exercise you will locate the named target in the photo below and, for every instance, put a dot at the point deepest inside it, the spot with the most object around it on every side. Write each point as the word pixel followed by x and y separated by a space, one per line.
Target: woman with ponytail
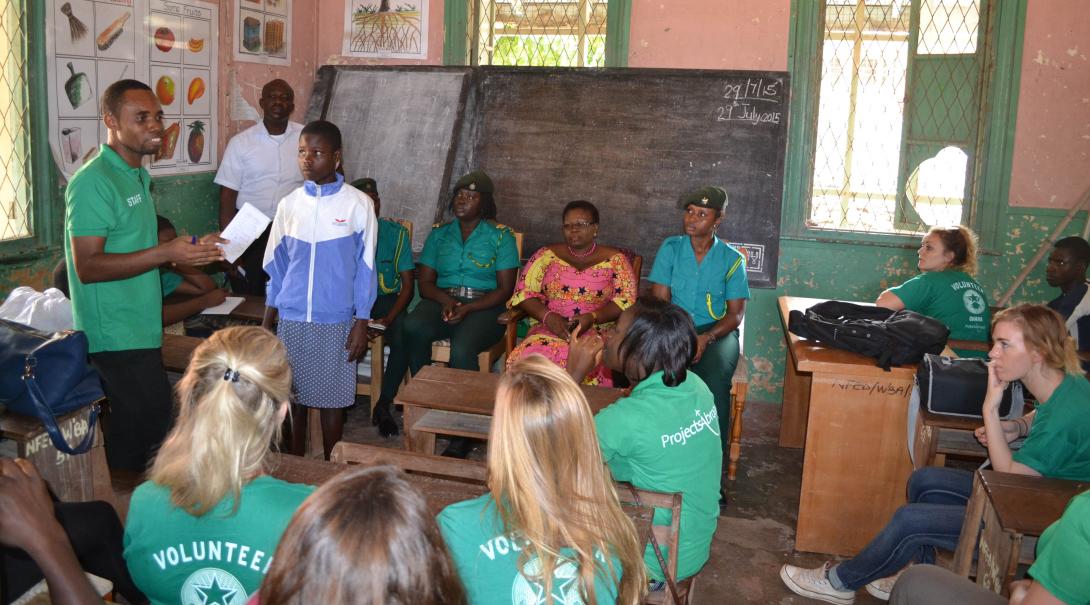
pixel 1031 344
pixel 205 526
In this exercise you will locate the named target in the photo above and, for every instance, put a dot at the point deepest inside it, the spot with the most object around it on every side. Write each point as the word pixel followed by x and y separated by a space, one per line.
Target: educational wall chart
pixel 263 31
pixel 386 28
pixel 168 44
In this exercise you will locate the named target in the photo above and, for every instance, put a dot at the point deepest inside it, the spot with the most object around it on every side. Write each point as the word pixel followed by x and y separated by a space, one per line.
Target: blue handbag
pixel 45 375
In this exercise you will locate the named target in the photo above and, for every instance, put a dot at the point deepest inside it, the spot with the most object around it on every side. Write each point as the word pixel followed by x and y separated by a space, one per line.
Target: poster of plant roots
pixel 386 28
pixel 167 44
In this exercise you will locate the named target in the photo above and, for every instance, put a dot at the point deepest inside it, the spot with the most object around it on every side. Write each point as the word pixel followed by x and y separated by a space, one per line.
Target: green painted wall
pixel 861 272
pixel 190 201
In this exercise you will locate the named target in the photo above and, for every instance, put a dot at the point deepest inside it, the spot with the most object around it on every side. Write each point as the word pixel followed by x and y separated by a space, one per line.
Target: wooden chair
pixel 440 349
pixel 739 390
pixel 410 462
pixel 511 317
pixel 666 535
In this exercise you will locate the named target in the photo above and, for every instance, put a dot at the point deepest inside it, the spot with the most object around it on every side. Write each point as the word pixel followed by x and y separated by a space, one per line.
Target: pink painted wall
pixel 709 34
pixel 250 77
pixel 1052 137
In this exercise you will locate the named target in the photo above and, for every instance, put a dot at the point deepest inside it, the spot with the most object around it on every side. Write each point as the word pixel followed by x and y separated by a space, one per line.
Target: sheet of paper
pixel 224 307
pixel 247 226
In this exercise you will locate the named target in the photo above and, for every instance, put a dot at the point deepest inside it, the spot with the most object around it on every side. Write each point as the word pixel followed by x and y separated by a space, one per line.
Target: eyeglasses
pixel 579 226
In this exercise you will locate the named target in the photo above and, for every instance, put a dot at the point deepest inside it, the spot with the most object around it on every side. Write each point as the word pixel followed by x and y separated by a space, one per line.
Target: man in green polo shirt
pixel 113 257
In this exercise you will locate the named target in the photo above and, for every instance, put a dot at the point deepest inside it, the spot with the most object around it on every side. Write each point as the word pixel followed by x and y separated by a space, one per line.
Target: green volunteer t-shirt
pixel 393 254
pixel 108 198
pixel 667 439
pixel 953 298
pixel 487 558
pixel 219 557
pixel 169 281
pixel 1063 554
pixel 1058 444
pixel 474 262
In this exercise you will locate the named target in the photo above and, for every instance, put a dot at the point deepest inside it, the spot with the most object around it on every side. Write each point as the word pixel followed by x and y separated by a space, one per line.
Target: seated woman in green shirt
pixel 551 523
pixel 1058 576
pixel 665 435
pixel 208 520
pixel 466 273
pixel 945 288
pixel 705 276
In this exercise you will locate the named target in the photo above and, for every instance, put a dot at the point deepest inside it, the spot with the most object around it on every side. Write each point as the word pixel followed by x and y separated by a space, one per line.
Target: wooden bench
pixel 1003 509
pixel 464 392
pixel 178 350
pixel 72 478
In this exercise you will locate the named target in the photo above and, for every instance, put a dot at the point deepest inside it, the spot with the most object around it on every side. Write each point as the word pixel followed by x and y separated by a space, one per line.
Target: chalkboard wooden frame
pixel 629 140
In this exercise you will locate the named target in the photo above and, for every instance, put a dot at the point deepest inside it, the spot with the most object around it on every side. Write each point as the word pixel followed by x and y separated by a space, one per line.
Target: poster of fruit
pixel 386 28
pixel 91 44
pixel 263 31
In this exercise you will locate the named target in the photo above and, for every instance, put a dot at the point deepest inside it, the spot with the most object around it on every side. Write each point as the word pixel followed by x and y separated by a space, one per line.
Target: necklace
pixel 593 247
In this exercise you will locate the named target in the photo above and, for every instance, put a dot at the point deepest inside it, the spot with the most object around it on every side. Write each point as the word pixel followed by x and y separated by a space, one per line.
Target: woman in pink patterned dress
pixel 573 285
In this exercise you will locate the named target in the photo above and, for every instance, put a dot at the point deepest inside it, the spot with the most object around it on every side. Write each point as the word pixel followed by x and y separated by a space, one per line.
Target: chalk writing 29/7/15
pixel 744 112
pixel 753 89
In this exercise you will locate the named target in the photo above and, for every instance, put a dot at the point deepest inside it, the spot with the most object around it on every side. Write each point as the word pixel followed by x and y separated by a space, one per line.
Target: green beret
pixel 366 185
pixel 705 197
pixel 475 181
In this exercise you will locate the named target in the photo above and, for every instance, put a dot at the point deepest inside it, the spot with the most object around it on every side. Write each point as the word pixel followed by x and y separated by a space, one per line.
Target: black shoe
pixel 722 498
pixel 387 426
pixel 459 447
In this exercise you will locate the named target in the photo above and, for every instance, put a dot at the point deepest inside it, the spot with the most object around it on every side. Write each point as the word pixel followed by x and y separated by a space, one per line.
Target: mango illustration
pixel 164 89
pixel 196 90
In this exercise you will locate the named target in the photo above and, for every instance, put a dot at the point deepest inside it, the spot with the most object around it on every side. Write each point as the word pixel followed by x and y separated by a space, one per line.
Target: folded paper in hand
pixel 247 226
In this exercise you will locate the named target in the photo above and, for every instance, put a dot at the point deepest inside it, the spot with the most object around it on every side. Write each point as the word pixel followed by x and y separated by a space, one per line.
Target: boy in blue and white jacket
pixel 321 265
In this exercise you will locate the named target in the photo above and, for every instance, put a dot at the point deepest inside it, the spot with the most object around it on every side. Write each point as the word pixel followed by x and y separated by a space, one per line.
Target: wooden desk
pixel 1009 507
pixel 850 415
pixel 252 309
pixel 467 392
pixel 177 351
pixel 73 478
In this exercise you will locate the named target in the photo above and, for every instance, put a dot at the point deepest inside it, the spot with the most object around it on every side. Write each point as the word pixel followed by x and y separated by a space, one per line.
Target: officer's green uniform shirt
pixel 220 557
pixel 393 254
pixel 487 559
pixel 701 289
pixel 108 198
pixel 1063 554
pixel 473 263
pixel 1058 444
pixel 666 439
pixel 953 298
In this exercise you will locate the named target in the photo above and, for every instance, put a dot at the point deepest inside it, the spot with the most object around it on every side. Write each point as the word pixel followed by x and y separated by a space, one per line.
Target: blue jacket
pixel 321 254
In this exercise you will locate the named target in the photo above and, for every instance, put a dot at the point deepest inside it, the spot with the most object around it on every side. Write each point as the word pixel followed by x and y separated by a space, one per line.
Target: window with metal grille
pixel 15 185
pixel 539 33
pixel 896 113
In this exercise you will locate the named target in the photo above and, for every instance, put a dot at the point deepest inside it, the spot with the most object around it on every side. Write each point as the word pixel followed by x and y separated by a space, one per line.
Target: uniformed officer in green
pixel 394 270
pixel 707 277
pixel 113 258
pixel 466 274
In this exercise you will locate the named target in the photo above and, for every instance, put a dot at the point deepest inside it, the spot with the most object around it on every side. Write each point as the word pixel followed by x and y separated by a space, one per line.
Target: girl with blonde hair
pixel 551 523
pixel 1031 344
pixel 207 522
pixel 945 288
pixel 365 537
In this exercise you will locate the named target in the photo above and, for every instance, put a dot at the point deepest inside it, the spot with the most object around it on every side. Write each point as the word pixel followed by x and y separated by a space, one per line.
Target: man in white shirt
pixel 260 167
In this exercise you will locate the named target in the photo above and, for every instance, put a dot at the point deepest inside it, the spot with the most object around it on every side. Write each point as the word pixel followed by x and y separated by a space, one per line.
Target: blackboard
pixel 398 127
pixel 629 140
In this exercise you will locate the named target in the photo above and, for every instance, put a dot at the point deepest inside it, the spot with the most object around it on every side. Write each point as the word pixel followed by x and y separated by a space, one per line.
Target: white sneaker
pixel 814 583
pixel 881 587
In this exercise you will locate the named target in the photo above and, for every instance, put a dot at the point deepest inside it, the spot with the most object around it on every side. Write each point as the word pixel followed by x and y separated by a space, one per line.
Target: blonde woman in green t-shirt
pixel 207 522
pixel 945 288
pixel 551 523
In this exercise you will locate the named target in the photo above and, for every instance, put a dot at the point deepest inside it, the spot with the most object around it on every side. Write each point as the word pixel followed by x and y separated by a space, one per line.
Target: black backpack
pixel 891 337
